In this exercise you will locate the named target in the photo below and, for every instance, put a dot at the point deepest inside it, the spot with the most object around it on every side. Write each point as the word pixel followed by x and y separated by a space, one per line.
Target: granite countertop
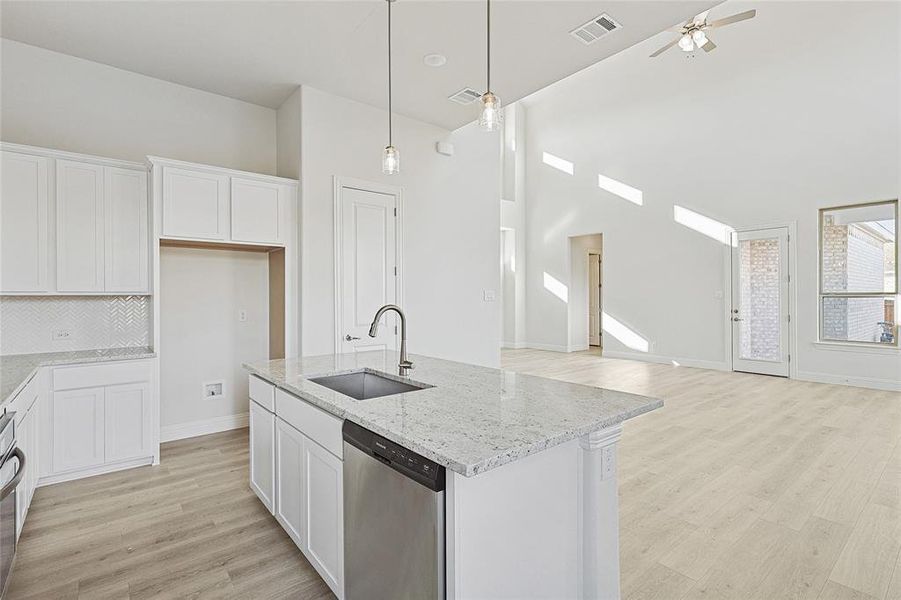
pixel 473 419
pixel 16 370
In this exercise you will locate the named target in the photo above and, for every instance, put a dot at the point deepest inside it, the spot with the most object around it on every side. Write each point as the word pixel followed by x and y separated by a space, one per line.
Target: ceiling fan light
pixel 491 116
pixel 699 38
pixel 390 161
pixel 686 43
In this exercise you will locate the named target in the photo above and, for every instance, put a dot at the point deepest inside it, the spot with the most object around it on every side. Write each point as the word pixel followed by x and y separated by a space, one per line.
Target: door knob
pixel 350 338
pixel 736 318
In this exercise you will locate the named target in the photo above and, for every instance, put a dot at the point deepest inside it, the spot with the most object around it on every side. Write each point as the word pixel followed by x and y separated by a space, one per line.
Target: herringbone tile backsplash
pixel 27 323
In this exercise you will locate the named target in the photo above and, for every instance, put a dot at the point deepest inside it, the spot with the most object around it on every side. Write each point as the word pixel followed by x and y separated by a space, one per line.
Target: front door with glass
pixel 759 317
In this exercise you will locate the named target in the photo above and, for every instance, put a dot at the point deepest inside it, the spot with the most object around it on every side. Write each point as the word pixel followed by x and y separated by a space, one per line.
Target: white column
pixel 599 515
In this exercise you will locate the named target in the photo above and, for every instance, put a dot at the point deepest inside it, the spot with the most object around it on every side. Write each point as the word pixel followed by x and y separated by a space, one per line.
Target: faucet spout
pixel 404 366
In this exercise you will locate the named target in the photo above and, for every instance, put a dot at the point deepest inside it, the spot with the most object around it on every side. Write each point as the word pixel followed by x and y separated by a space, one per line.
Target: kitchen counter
pixel 17 369
pixel 474 418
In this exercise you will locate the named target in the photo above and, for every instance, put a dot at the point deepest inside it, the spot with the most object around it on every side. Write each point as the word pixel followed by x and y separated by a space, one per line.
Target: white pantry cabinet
pixel 195 204
pixel 262 454
pixel 79 226
pixel 100 243
pixel 101 418
pixel 24 222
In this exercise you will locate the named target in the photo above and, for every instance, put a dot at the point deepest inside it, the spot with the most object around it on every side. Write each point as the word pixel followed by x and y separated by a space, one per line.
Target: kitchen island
pixel 531 498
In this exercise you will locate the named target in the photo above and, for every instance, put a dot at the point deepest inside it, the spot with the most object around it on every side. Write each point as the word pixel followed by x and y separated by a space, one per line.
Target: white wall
pixel 59 101
pixel 780 120
pixel 288 118
pixel 451 224
pixel 201 337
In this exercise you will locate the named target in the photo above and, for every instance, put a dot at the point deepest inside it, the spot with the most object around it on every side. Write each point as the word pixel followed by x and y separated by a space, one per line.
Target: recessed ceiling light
pixel 434 60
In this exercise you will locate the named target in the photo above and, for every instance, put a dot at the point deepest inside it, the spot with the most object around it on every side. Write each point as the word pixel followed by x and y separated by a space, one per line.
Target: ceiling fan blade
pixel 665 48
pixel 701 18
pixel 709 46
pixel 748 14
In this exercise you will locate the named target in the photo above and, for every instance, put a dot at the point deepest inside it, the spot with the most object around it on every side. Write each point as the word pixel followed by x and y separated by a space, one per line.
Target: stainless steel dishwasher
pixel 393 520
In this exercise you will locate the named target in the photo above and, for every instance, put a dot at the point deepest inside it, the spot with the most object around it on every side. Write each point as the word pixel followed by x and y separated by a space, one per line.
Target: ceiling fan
pixel 693 33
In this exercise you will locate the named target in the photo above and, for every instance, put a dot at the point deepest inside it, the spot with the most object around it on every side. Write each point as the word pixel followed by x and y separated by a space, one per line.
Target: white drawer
pixel 99 375
pixel 318 425
pixel 262 392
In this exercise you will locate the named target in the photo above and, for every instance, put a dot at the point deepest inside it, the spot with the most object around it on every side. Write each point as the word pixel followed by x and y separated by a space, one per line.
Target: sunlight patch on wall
pixel 704 225
pixel 626 192
pixel 556 287
pixel 558 163
pixel 626 336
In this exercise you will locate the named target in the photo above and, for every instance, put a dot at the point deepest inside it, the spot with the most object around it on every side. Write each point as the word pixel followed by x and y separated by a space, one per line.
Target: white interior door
pixel 594 299
pixel 759 316
pixel 367 266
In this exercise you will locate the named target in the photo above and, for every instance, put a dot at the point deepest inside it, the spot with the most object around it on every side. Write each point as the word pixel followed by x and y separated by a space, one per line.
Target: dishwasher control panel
pixel 413 465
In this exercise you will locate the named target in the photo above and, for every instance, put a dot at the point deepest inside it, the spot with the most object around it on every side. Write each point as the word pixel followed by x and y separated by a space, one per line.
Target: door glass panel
pixel 759 303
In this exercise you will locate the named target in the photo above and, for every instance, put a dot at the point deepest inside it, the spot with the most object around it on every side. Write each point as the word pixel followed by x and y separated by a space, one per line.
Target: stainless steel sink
pixel 363 385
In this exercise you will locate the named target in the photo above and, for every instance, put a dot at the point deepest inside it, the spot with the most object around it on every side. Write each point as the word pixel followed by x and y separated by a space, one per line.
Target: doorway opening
pixel 586 295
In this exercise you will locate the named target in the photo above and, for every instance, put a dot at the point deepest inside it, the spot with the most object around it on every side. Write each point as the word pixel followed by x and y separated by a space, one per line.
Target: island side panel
pixel 513 531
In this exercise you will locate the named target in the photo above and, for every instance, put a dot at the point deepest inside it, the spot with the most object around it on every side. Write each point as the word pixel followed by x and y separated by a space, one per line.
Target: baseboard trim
pixel 514 345
pixel 182 431
pixel 92 471
pixel 864 382
pixel 549 347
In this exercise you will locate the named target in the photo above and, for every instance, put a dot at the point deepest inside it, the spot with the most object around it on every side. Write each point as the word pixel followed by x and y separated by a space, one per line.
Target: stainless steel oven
pixel 12 468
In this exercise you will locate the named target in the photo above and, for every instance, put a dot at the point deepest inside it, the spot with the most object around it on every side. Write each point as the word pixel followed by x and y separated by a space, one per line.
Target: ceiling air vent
pixel 595 29
pixel 465 96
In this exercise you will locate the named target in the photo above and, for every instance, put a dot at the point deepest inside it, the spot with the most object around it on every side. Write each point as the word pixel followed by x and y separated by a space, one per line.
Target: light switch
pixel 489 295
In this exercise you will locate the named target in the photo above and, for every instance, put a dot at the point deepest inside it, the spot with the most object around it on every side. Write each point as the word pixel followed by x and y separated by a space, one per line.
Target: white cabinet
pixel 79 226
pixel 126 231
pixel 324 513
pixel 289 453
pixel 127 422
pixel 26 439
pixel 258 211
pixel 101 418
pixel 24 223
pixel 195 204
pixel 262 454
pixel 77 425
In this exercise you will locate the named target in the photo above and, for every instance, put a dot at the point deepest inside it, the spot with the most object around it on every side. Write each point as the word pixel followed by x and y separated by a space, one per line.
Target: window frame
pixel 821 295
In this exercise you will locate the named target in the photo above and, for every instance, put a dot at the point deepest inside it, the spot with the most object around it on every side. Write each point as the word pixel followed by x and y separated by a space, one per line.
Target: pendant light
pixel 491 117
pixel 390 156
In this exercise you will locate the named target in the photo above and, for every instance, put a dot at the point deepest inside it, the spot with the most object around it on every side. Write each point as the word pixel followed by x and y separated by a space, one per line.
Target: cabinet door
pixel 79 227
pixel 258 211
pixel 262 454
pixel 289 480
pixel 324 513
pixel 127 422
pixel 77 429
pixel 25 439
pixel 195 204
pixel 126 230
pixel 24 220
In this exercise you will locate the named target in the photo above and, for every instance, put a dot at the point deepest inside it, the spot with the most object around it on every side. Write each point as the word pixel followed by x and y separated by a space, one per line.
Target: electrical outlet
pixel 214 390
pixel 489 295
pixel 242 315
pixel 62 335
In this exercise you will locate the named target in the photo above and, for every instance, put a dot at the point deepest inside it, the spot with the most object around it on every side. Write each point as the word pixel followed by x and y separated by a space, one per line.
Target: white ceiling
pixel 259 51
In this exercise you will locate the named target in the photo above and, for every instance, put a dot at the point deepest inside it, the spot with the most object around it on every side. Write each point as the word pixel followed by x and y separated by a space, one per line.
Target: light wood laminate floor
pixel 750 487
pixel 188 528
pixel 741 487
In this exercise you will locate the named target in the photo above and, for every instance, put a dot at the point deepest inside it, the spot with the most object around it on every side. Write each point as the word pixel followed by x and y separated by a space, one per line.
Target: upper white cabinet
pixel 127 230
pixel 212 204
pixel 79 227
pixel 24 223
pixel 258 211
pixel 195 204
pixel 101 240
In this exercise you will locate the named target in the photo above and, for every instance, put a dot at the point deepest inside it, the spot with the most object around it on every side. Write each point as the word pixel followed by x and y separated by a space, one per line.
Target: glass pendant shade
pixel 686 43
pixel 699 38
pixel 491 116
pixel 390 161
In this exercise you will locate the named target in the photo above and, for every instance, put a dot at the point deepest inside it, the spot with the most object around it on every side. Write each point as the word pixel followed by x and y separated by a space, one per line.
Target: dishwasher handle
pixel 406 462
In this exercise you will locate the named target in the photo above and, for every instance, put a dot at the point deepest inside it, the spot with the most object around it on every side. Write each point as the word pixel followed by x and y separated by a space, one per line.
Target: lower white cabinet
pixel 324 513
pixel 101 419
pixel 289 480
pixel 27 440
pixel 262 454
pixel 77 425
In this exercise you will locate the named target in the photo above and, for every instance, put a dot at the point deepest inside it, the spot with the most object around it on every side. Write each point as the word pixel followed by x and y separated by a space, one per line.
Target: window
pixel 859 273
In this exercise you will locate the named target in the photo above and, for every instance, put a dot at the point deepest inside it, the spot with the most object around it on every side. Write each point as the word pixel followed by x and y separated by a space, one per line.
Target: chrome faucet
pixel 404 366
